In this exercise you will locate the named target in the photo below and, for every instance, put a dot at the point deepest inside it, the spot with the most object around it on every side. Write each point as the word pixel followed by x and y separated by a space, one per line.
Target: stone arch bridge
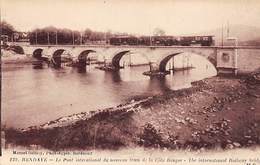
pixel 225 59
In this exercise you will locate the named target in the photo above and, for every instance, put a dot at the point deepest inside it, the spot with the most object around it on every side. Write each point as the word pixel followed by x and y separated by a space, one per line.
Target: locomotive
pixel 163 40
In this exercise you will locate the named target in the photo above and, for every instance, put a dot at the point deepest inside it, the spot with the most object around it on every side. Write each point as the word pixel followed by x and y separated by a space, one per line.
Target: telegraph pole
pixel 228 29
pixel 150 40
pixel 72 38
pixel 12 38
pixel 222 35
pixel 48 38
pixel 173 64
pixel 81 38
pixel 130 60
pixel 56 37
pixel 150 36
pixel 36 42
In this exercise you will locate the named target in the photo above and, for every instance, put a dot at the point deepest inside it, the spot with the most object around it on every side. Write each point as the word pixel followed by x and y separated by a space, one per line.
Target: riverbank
pixel 11 60
pixel 214 113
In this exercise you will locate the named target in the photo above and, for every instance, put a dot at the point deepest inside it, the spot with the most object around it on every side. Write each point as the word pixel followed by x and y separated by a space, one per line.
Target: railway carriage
pixel 196 40
pixel 163 40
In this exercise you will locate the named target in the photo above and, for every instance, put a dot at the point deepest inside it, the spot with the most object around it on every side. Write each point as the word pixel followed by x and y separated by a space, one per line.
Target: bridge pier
pixel 56 62
pixel 155 71
pixel 227 61
pixel 79 64
pixel 38 64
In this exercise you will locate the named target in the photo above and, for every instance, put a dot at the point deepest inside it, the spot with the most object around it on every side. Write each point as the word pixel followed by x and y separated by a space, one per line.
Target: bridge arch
pixel 58 53
pixel 118 56
pixel 58 57
pixel 83 57
pixel 163 62
pixel 116 59
pixel 17 49
pixel 84 54
pixel 37 53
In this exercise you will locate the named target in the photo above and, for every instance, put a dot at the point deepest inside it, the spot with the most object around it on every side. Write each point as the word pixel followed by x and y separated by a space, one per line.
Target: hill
pixel 247 35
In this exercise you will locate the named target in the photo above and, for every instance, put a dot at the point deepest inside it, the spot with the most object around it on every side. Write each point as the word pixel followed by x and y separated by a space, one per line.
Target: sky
pixel 131 16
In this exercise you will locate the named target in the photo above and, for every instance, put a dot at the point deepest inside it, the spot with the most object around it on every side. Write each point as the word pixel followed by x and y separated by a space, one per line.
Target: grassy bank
pixel 213 113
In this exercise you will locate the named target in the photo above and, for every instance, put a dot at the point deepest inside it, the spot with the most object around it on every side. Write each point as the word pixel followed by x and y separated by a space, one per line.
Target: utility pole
pixel 105 38
pixel 183 61
pixel 12 38
pixel 72 38
pixel 36 38
pixel 48 38
pixel 173 64
pixel 56 37
pixel 188 61
pixel 222 35
pixel 228 29
pixel 150 36
pixel 150 40
pixel 81 38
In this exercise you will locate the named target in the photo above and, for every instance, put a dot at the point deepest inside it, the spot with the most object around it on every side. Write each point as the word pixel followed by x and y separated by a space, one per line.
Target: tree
pixel 87 34
pixel 52 35
pixel 7 29
pixel 158 32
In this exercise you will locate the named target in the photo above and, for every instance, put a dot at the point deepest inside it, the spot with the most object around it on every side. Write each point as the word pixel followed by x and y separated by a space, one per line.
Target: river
pixel 36 96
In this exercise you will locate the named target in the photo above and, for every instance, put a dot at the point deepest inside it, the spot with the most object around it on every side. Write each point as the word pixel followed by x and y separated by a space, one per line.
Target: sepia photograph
pixel 172 82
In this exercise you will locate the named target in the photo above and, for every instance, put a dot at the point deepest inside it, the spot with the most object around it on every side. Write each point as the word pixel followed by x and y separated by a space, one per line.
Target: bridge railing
pixel 133 46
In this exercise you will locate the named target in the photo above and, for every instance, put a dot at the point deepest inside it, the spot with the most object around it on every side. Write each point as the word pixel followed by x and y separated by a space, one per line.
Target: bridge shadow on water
pixel 113 76
pixel 40 64
pixel 135 79
pixel 158 83
pixel 134 75
pixel 82 69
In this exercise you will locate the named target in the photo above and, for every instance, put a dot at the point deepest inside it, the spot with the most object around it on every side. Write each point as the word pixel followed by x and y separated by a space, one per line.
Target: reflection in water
pixel 158 83
pixel 82 69
pixel 40 63
pixel 112 77
pixel 33 97
pixel 39 66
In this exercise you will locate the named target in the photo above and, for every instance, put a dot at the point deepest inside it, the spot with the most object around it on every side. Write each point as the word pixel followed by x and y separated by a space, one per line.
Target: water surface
pixel 35 96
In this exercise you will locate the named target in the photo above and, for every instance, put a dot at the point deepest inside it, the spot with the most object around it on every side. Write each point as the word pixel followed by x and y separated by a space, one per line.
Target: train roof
pixel 197 36
pixel 126 36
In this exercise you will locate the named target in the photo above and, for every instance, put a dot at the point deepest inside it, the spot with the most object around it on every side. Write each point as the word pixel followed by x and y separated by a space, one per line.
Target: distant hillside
pixel 254 42
pixel 247 35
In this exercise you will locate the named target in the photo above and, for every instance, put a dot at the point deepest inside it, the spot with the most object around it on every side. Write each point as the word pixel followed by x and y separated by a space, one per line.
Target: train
pixel 207 40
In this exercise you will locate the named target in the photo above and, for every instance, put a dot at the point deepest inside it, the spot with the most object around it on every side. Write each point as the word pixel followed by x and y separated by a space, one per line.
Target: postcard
pixel 111 82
